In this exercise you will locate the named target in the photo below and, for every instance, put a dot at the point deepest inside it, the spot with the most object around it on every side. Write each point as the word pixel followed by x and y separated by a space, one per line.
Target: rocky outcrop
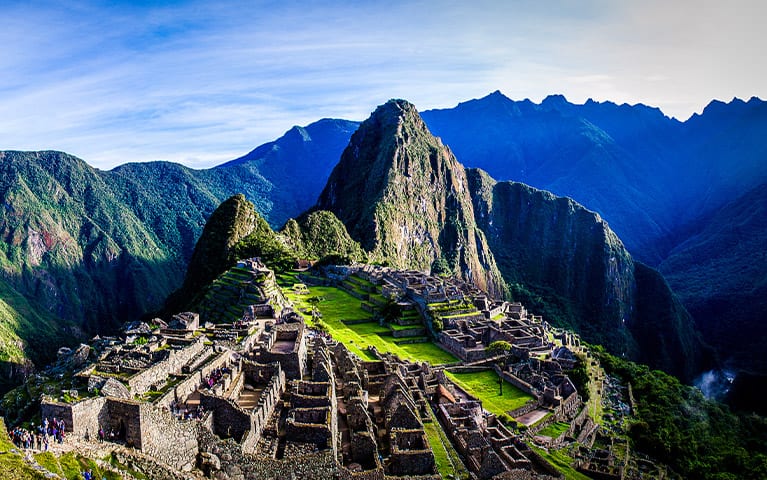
pixel 404 197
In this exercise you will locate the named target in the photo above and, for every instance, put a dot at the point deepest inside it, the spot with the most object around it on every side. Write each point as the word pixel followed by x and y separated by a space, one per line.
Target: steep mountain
pixel 236 231
pixel 666 187
pixel 295 168
pixel 720 274
pixel 567 262
pixel 282 178
pixel 71 248
pixel 404 197
pixel 215 251
pixel 83 250
pixel 546 242
pixel 583 152
pixel 650 176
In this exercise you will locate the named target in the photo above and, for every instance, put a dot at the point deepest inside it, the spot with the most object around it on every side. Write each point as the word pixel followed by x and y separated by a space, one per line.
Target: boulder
pixel 81 355
pixel 114 388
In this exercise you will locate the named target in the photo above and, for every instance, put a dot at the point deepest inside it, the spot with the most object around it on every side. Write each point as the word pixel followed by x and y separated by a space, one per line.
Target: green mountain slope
pixel 408 201
pixel 70 247
pixel 91 249
pixel 731 247
pixel 236 231
pixel 320 233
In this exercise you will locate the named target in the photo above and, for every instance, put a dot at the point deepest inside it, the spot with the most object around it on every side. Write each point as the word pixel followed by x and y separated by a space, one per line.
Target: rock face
pixel 404 197
pixel 552 246
pixel 541 240
pixel 114 388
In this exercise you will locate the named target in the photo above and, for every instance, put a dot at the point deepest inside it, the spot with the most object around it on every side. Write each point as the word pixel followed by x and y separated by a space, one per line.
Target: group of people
pixel 39 437
pixel 216 375
pixel 21 437
pixel 182 411
pixel 110 435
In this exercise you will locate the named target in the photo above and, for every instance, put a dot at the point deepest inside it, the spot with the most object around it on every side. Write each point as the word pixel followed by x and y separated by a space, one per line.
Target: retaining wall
pixel 157 374
pixel 167 439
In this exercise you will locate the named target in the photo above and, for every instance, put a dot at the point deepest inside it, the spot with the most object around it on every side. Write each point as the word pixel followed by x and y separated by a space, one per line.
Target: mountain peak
pixel 555 100
pixel 393 112
pixel 402 194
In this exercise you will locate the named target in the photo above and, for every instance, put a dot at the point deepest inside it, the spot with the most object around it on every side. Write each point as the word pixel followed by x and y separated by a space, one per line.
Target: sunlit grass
pixel 484 385
pixel 338 306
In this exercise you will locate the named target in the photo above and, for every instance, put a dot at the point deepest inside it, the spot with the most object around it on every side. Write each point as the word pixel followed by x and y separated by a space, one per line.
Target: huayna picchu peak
pixel 403 195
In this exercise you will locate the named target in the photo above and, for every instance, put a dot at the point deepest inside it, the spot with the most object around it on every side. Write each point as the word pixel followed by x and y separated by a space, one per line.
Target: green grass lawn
pixel 447 459
pixel 394 326
pixel 361 281
pixel 555 429
pixel 339 305
pixel 561 461
pixel 484 385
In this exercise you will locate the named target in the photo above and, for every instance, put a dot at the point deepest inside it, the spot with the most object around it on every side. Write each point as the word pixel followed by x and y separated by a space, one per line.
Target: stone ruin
pixel 265 397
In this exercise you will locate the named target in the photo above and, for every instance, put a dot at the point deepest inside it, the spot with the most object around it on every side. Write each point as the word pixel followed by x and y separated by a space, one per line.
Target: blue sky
pixel 204 82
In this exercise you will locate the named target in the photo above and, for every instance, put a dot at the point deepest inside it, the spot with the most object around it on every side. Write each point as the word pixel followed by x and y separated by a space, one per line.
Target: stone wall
pixel 167 439
pixel 526 408
pixel 125 416
pixel 310 425
pixel 346 474
pixel 229 420
pixel 180 391
pixel 517 382
pixel 234 464
pixel 266 404
pixel 158 373
pixel 82 418
pixel 237 383
pixel 60 411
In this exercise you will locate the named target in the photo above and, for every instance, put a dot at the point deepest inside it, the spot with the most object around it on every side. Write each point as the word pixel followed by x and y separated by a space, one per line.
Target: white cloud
pixel 203 82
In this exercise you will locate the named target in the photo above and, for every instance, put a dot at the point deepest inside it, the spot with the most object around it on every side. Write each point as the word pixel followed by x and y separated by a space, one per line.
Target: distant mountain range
pixel 95 248
pixel 685 197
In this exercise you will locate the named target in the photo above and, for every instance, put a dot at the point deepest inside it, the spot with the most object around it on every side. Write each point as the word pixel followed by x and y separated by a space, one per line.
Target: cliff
pixel 566 261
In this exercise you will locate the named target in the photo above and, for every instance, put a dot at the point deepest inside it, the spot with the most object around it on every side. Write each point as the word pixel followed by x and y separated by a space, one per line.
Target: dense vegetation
pixel 698 438
pixel 317 234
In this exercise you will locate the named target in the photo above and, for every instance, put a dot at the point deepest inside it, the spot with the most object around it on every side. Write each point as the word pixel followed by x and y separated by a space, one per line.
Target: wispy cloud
pixel 202 82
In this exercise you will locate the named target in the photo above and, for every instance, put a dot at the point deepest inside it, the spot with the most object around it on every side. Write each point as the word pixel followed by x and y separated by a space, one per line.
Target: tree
pixel 498 347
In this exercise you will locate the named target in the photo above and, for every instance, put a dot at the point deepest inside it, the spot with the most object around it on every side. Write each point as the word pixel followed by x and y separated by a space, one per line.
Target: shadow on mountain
pixel 56 306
